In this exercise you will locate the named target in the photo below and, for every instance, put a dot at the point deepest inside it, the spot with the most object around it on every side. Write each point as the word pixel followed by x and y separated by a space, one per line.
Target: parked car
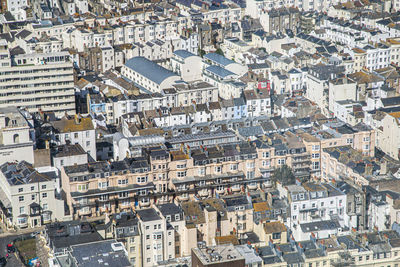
pixel 10 248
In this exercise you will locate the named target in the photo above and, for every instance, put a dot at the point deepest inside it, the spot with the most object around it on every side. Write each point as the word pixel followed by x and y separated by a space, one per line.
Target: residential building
pixel 29 198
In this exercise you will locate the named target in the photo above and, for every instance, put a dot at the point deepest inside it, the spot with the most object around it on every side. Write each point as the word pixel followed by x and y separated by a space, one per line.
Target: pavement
pixel 12 260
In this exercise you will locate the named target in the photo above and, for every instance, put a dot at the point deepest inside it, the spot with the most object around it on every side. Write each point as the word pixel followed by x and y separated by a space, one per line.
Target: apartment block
pixel 29 198
pixel 37 82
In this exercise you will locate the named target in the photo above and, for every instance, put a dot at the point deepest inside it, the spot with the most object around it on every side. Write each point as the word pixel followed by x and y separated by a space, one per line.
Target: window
pixel 202 171
pixel 21 210
pixel 82 187
pixel 123 194
pixel 234 167
pixel 281 161
pixel 265 154
pixel 44 195
pixel 87 143
pixel 366 139
pixel 147 236
pixel 45 206
pixel 250 165
pixel 276 235
pixel 32 188
pixel 181 166
pixel 349 140
pixel 20 190
pixel 103 185
pixel 181 174
pixel 218 169
pixel 33 197
pixel 315 155
pixel 21 198
pixel 315 147
pixel 123 182
pixel 44 186
pixel 141 179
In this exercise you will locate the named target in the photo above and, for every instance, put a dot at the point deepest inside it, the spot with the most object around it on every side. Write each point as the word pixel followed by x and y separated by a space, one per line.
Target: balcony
pixel 235 188
pixel 203 193
pixel 144 204
pixel 252 186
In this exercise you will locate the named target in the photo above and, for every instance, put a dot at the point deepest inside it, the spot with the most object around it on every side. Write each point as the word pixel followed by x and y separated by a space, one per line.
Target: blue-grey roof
pixel 149 69
pixel 251 131
pixel 218 59
pixel 183 53
pixel 219 71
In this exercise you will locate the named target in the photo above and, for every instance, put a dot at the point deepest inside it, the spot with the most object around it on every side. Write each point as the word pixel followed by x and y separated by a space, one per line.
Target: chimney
pixel 77 119
pixel 383 169
pixel 368 169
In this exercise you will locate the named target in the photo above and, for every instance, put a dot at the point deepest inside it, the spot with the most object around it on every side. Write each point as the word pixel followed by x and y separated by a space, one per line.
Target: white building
pixel 155 237
pixel 76 130
pixel 69 155
pixel 28 197
pixel 187 65
pixel 37 81
pixel 148 74
pixel 315 205
pixel 17 136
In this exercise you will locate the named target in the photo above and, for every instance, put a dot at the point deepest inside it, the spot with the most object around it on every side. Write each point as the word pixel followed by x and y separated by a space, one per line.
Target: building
pixel 107 253
pixel 218 256
pixel 124 228
pixel 76 130
pixel 148 74
pixel 187 65
pixel 38 81
pixel 17 136
pixel 100 187
pixel 29 198
pixel 69 155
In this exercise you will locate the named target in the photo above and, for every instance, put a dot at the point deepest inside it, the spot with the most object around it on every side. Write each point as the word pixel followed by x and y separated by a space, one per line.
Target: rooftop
pixel 150 69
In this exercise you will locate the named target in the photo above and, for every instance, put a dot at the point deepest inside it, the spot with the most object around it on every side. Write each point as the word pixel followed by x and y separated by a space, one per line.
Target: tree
pixel 201 52
pixel 219 51
pixel 284 175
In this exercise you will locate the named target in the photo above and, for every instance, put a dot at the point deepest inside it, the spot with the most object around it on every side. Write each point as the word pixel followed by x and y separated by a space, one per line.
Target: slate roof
pixel 219 59
pixel 183 53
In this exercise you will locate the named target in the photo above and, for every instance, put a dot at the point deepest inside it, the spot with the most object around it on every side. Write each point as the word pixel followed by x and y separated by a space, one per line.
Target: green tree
pixel 219 51
pixel 201 52
pixel 284 175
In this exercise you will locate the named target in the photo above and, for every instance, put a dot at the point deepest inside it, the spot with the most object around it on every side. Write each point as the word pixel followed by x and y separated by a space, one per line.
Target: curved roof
pixel 149 69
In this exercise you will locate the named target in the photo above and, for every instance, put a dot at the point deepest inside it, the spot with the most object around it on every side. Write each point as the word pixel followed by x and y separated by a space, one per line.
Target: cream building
pixel 28 197
pixel 17 135
pixel 37 81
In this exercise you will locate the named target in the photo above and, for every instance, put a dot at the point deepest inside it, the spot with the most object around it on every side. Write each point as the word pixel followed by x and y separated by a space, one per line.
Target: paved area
pixel 12 260
pixel 42 251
